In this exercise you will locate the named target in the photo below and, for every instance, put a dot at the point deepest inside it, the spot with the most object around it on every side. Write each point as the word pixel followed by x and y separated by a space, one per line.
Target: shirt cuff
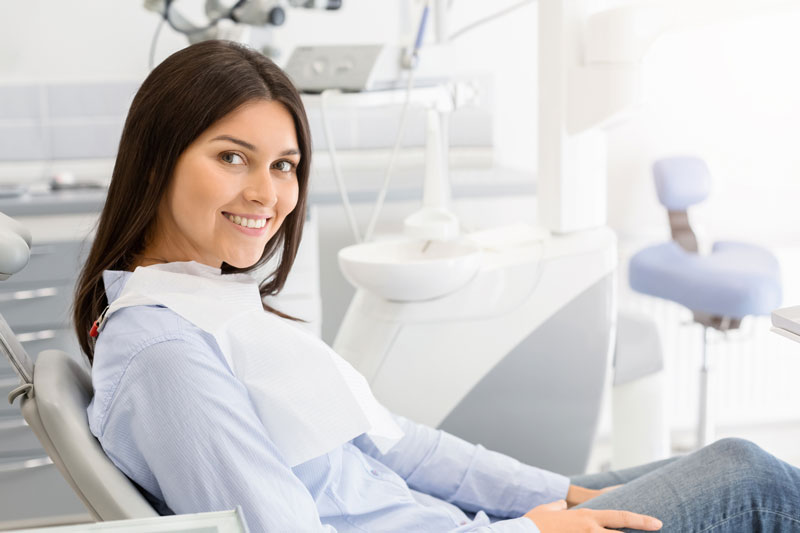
pixel 538 487
pixel 515 525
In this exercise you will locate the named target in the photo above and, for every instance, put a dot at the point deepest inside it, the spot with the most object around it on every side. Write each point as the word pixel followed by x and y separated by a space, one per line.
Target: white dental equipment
pixel 487 349
pixel 15 240
pixel 229 20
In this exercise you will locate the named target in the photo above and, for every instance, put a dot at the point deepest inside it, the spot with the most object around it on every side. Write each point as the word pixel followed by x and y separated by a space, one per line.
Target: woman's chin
pixel 242 262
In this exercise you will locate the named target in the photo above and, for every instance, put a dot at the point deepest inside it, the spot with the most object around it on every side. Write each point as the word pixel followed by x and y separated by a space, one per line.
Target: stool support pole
pixel 705 427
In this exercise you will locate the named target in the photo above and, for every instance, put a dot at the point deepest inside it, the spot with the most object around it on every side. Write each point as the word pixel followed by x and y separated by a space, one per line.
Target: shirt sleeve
pixel 514 525
pixel 185 429
pixel 467 475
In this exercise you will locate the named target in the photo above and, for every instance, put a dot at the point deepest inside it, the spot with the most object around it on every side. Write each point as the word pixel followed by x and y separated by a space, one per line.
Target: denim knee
pixel 736 446
pixel 735 452
pixel 741 462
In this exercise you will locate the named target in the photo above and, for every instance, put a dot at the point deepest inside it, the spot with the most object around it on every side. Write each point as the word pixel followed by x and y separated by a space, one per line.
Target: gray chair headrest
pixel 15 246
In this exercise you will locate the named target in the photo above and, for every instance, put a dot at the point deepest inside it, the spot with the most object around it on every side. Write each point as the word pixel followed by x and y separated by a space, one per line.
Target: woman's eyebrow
pixel 240 142
pixel 252 148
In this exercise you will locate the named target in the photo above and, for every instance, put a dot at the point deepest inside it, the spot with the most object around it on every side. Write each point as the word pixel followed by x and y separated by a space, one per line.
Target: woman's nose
pixel 261 189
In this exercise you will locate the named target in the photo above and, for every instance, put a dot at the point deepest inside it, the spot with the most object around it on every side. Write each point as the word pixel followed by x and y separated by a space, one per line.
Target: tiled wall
pixel 84 121
pixel 62 121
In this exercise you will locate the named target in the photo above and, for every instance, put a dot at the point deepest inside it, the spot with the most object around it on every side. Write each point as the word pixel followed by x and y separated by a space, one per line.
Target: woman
pixel 210 182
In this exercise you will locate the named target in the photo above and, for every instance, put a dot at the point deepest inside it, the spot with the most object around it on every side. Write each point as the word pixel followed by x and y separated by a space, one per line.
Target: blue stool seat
pixel 734 281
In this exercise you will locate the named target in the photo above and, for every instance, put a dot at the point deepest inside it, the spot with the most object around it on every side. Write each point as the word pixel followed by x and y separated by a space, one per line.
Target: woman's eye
pixel 232 158
pixel 284 166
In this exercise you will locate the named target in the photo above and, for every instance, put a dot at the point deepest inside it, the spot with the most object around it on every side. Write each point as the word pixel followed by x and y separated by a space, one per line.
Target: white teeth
pixel 248 222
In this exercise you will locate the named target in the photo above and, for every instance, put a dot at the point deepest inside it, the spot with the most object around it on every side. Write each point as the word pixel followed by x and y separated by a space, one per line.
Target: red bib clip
pixel 97 325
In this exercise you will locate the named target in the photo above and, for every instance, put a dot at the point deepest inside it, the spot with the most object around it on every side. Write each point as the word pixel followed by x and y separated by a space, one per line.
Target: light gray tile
pixel 85 141
pixel 471 127
pixel 341 128
pixel 21 143
pixel 377 128
pixel 90 100
pixel 20 102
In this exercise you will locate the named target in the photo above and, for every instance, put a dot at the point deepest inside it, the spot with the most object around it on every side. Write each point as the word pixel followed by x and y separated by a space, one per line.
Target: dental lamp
pixel 241 12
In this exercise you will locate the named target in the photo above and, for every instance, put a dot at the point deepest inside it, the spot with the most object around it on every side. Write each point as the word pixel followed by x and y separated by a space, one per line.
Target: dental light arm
pixel 249 12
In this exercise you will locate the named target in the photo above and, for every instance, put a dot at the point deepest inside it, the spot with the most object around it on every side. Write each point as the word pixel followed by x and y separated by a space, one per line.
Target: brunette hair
pixel 179 100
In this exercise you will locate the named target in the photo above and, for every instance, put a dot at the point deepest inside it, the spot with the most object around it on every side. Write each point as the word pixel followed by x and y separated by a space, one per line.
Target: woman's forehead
pixel 264 124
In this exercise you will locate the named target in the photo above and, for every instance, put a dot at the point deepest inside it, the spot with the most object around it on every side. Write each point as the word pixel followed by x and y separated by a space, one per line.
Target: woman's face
pixel 231 190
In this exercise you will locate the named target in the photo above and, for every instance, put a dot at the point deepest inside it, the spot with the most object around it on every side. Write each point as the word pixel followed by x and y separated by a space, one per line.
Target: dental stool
pixel 734 281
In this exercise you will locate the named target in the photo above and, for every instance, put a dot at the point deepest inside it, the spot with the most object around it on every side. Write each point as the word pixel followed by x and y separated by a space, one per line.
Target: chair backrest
pixel 55 409
pixel 55 394
pixel 681 182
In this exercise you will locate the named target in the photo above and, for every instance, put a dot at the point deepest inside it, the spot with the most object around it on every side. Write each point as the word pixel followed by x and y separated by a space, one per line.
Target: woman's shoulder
pixel 131 329
pixel 153 336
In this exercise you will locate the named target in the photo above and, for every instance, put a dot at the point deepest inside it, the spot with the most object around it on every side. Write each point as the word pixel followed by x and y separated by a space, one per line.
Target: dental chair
pixel 734 281
pixel 54 395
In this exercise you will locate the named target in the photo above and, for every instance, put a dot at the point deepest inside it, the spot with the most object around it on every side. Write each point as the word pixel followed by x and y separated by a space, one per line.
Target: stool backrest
pixel 680 183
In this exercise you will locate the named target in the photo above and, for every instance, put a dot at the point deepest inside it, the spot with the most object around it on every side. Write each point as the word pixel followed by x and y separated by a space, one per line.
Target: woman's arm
pixel 184 428
pixel 467 475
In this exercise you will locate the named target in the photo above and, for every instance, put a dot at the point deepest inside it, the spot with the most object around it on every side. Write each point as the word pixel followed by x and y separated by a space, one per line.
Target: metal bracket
pixel 25 388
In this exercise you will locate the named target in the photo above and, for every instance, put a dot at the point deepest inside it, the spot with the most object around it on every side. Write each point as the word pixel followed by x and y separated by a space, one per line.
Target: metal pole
pixel 704 423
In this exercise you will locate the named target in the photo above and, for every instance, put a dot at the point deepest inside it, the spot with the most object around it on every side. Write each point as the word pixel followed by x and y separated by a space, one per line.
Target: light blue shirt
pixel 172 416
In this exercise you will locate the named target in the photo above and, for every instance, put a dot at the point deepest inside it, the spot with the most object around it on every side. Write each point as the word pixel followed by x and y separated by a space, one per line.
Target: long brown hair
pixel 179 100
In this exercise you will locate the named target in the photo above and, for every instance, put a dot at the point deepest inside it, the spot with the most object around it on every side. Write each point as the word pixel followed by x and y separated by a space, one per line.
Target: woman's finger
pixel 609 489
pixel 618 519
pixel 558 505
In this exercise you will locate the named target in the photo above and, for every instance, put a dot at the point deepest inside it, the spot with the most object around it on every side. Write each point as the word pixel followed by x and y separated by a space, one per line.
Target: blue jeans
pixel 729 486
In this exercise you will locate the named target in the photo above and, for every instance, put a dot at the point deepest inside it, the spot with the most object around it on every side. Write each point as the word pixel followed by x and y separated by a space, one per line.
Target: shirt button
pixel 373 472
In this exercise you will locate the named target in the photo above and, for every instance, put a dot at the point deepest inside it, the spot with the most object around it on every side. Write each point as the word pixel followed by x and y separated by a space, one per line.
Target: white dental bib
pixel 309 399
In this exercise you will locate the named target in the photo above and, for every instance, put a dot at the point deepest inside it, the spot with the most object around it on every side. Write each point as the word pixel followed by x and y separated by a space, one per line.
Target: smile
pixel 245 222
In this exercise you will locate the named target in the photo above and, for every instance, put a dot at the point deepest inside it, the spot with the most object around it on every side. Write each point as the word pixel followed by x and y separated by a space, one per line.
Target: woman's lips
pixel 250 225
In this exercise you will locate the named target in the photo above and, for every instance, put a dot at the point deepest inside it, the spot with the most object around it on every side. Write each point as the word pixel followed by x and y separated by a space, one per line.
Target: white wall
pixel 76 40
pixel 728 93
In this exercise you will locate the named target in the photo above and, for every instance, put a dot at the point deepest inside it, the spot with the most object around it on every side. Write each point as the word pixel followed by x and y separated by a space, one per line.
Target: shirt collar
pixel 115 281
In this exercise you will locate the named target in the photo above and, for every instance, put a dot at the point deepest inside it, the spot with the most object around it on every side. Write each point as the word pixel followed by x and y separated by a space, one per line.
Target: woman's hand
pixel 555 518
pixel 577 495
